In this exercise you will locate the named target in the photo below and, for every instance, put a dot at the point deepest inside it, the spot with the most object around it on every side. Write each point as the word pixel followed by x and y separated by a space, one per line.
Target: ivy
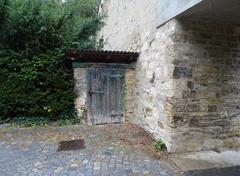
pixel 36 80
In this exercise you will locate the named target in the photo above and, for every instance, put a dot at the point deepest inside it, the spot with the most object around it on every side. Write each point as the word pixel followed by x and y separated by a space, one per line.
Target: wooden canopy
pixel 93 56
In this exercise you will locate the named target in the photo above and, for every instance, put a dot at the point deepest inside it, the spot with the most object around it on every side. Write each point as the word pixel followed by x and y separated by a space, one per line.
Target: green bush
pixel 69 118
pixel 29 121
pixel 35 79
pixel 159 145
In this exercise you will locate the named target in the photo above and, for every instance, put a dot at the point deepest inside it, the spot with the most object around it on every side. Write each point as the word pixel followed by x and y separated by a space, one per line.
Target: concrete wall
pixel 168 9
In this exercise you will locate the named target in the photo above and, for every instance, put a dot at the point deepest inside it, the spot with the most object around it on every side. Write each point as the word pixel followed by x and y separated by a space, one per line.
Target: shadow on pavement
pixel 231 171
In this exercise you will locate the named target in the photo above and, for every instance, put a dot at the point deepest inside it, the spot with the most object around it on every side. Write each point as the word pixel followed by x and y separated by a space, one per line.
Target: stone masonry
pixel 130 82
pixel 81 90
pixel 188 85
pixel 187 89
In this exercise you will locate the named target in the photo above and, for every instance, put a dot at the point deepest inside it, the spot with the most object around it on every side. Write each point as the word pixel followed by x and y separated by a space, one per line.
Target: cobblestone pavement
pixel 114 150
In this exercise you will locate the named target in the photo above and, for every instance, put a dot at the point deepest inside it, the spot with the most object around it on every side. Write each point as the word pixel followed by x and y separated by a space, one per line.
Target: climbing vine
pixel 36 80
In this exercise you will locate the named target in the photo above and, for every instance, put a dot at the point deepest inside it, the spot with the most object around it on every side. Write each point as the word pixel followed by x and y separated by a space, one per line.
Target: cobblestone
pixel 33 152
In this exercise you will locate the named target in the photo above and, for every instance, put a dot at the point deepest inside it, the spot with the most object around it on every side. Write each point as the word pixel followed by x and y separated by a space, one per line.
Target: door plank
pixel 106 92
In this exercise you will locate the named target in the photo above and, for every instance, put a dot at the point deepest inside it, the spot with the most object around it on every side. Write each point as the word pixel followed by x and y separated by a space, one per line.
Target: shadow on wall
pixel 209 63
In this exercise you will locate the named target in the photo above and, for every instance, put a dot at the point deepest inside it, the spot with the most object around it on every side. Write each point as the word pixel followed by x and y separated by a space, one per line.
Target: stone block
pixel 182 72
pixel 194 122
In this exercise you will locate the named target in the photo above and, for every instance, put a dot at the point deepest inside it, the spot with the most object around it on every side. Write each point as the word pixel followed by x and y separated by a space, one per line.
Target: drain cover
pixel 71 145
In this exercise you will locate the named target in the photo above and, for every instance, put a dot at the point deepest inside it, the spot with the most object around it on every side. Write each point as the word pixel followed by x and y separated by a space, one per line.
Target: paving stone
pixel 26 152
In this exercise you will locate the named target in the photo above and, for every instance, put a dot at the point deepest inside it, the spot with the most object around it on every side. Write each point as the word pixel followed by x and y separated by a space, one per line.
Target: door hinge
pixel 116 76
pixel 117 114
pixel 96 92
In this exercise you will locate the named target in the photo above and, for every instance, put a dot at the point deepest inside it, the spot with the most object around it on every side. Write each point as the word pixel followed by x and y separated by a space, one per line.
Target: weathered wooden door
pixel 106 95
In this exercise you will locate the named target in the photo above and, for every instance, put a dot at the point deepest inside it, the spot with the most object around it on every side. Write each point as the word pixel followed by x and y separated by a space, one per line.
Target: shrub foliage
pixel 35 78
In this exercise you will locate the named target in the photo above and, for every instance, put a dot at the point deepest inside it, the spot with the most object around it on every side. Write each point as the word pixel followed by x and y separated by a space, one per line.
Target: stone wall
pixel 130 81
pixel 188 85
pixel 127 22
pixel 155 86
pixel 187 89
pixel 207 60
pixel 81 89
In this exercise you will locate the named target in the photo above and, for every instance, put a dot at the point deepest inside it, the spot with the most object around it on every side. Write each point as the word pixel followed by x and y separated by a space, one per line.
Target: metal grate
pixel 71 145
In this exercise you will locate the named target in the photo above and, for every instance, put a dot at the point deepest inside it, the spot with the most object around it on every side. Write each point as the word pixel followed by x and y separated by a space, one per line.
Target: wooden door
pixel 106 95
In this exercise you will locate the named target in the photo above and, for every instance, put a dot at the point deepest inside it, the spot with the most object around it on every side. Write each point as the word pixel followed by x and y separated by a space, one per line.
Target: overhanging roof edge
pixel 101 56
